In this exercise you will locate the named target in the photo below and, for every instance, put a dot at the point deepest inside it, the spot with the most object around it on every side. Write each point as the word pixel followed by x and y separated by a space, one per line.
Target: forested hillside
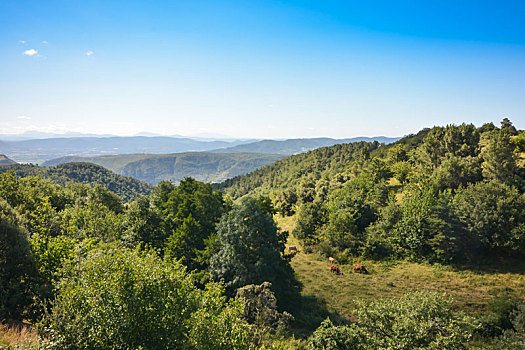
pixel 153 168
pixel 447 194
pixel 126 187
pixel 187 267
pixel 294 146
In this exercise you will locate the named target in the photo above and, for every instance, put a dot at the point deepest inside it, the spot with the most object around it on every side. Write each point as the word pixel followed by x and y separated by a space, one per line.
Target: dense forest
pixel 189 266
pixel 448 194
pixel 128 188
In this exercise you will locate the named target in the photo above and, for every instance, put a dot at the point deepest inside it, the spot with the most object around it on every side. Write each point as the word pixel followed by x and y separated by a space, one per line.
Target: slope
pixel 126 187
pixel 203 166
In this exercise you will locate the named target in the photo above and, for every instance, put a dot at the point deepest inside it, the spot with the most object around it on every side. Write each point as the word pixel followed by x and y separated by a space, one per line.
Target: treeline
pixel 143 274
pixel 448 194
pixel 288 172
pixel 126 187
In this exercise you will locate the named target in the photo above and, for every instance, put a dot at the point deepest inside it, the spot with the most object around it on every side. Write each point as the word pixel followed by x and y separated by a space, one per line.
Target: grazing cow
pixel 292 248
pixel 335 269
pixel 360 268
pixel 331 260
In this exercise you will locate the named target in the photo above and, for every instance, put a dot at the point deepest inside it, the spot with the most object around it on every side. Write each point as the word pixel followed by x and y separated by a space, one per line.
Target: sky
pixel 260 69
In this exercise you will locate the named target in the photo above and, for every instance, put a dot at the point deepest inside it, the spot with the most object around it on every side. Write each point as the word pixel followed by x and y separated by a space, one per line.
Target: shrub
pixel 131 299
pixel 414 321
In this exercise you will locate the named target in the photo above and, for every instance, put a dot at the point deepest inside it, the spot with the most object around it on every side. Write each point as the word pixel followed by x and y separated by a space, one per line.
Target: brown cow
pixel 335 269
pixel 360 268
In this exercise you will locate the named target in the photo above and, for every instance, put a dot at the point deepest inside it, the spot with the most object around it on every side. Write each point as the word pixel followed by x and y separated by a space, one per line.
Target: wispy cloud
pixel 24 117
pixel 88 53
pixel 45 42
pixel 30 52
pixel 22 41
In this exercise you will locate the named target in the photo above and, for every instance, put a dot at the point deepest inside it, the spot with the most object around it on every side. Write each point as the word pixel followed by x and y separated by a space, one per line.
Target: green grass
pixel 470 289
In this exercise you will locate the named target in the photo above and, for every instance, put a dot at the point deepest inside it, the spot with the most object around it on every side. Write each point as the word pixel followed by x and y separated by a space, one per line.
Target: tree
pixel 190 213
pixel 493 216
pixel 420 228
pixel 142 223
pixel 250 250
pixel 123 299
pixel 506 125
pixel 499 157
pixel 310 219
pixel 17 267
pixel 260 310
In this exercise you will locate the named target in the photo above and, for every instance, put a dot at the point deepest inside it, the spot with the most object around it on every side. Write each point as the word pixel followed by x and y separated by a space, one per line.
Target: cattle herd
pixel 335 269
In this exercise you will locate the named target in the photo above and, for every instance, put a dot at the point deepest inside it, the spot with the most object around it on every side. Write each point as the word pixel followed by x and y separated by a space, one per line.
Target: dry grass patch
pixel 23 337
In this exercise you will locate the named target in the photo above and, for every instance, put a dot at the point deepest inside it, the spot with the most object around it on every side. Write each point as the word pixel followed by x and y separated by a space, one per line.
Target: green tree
pixel 190 213
pixel 123 299
pixel 143 224
pixel 250 251
pixel 492 215
pixel 17 267
pixel 500 157
pixel 310 218
pixel 420 227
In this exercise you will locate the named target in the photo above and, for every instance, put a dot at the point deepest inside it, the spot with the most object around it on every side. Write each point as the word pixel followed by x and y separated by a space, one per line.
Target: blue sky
pixel 269 69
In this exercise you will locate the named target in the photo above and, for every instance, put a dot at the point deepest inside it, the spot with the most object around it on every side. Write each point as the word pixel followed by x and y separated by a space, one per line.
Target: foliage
pixel 250 251
pixel 330 337
pixel 131 299
pixel 17 268
pixel 413 321
pixel 499 157
pixel 260 310
pixel 126 187
pixel 493 215
pixel 189 213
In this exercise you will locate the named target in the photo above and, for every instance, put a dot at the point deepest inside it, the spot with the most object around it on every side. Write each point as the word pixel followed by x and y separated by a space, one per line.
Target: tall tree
pixel 251 250
pixel 499 157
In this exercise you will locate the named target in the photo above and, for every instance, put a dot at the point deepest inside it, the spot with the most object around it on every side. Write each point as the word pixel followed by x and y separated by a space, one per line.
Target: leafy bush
pixel 414 321
pixel 17 268
pixel 123 299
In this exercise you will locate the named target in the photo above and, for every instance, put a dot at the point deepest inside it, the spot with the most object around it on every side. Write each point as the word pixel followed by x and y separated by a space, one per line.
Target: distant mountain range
pixel 294 146
pixel 203 166
pixel 39 150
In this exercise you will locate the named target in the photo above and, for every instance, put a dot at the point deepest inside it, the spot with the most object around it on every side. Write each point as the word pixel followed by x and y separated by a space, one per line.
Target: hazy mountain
pixel 294 146
pixel 203 166
pixel 4 160
pixel 40 150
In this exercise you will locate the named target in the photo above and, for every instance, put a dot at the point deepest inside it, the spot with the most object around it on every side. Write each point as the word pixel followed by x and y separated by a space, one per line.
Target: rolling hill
pixel 4 160
pixel 203 166
pixel 126 187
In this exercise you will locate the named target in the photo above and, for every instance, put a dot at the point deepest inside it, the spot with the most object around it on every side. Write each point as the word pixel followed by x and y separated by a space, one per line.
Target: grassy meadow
pixel 471 289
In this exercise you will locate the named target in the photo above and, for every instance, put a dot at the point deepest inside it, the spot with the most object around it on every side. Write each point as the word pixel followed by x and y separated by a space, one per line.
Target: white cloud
pixel 89 53
pixel 30 52
pixel 24 117
pixel 22 41
pixel 45 42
